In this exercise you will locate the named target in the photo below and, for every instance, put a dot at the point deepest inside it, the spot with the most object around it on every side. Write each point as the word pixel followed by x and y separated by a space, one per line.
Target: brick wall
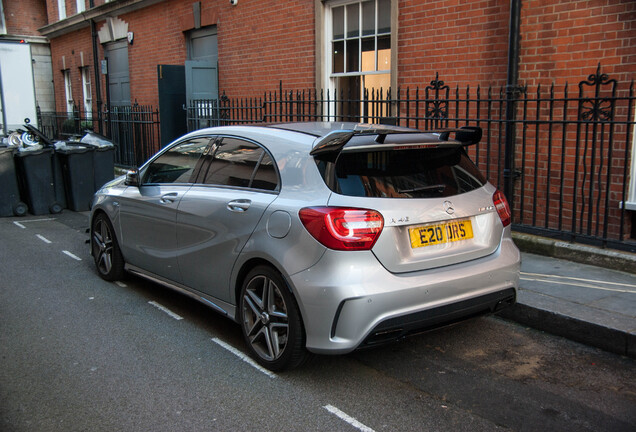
pixel 263 42
pixel 70 47
pixel 466 42
pixel 565 40
pixel 24 17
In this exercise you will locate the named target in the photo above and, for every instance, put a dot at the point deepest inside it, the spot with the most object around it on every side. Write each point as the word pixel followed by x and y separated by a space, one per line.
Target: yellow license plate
pixel 447 232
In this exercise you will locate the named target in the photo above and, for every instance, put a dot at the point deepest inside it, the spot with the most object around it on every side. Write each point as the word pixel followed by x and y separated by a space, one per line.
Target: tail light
pixel 343 228
pixel 501 204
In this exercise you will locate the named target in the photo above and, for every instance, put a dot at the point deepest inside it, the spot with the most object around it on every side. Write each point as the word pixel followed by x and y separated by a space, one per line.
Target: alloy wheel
pixel 265 318
pixel 103 246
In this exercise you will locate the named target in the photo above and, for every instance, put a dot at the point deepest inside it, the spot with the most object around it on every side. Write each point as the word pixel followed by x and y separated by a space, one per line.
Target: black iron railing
pixel 134 129
pixel 571 149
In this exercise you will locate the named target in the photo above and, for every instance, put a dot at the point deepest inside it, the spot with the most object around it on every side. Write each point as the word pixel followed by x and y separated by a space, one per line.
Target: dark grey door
pixel 202 65
pixel 201 80
pixel 172 99
pixel 118 75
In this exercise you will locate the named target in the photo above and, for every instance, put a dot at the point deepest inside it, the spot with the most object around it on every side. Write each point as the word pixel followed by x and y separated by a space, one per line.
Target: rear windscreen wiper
pixel 438 187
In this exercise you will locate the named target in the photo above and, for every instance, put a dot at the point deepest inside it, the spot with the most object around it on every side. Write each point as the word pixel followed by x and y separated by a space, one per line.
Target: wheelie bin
pixel 10 204
pixel 103 157
pixel 78 172
pixel 35 177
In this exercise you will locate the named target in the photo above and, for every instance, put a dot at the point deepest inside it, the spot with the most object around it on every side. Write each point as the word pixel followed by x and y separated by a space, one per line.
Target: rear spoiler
pixel 334 141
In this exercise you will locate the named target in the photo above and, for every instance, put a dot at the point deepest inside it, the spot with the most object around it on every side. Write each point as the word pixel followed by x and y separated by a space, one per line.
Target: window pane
pixel 338 57
pixel 353 52
pixel 265 177
pixel 177 164
pixel 368 54
pixel 384 16
pixel 368 18
pixel 353 20
pixel 338 22
pixel 233 163
pixel 384 53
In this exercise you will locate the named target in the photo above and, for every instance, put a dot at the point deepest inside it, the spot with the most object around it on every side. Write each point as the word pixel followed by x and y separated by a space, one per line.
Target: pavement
pixel 591 304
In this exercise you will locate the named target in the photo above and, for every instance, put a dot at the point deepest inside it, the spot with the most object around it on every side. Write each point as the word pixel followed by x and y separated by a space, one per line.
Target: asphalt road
pixel 81 354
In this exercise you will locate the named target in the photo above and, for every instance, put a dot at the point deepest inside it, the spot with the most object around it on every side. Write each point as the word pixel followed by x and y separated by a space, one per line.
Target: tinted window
pixel 265 177
pixel 236 162
pixel 421 173
pixel 177 164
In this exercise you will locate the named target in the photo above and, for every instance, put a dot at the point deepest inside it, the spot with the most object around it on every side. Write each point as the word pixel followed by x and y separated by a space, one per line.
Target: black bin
pixel 79 176
pixel 10 204
pixel 36 180
pixel 103 157
pixel 104 165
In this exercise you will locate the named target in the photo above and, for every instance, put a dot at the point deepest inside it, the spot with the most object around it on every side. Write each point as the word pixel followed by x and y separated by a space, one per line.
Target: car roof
pixel 321 129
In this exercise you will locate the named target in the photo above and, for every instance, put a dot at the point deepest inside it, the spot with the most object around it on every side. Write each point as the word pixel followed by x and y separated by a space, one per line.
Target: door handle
pixel 239 206
pixel 168 198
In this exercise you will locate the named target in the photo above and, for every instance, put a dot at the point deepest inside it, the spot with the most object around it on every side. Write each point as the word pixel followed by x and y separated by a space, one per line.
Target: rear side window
pixel 415 173
pixel 239 163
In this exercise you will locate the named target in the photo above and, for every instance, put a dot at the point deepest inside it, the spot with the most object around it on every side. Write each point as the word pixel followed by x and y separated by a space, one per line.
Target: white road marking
pixel 578 282
pixel 20 224
pixel 347 418
pixel 75 257
pixel 121 284
pixel 244 357
pixel 44 239
pixel 166 310
pixel 579 279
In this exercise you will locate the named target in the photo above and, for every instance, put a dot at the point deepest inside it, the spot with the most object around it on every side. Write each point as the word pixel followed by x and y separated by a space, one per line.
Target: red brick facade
pixel 24 17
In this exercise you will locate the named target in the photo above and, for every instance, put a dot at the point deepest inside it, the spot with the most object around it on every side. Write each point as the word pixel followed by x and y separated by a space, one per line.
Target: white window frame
pixel 631 186
pixel 68 88
pixel 88 93
pixel 329 75
pixel 61 9
pixel 3 27
pixel 80 5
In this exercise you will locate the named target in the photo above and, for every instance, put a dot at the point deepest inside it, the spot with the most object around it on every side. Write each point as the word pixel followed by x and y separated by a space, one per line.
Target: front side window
pixel 239 163
pixel 360 51
pixel 178 164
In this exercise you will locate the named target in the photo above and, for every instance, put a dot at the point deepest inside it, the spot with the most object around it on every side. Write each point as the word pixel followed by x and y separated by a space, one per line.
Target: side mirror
pixel 132 178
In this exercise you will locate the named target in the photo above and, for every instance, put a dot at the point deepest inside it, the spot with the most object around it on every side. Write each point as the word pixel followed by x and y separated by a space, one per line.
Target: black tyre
pixel 271 321
pixel 105 249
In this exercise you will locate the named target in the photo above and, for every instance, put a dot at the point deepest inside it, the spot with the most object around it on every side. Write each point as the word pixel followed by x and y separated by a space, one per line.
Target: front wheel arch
pixel 105 250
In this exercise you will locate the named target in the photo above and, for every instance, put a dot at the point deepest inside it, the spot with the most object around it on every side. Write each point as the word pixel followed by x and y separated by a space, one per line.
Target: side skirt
pixel 219 306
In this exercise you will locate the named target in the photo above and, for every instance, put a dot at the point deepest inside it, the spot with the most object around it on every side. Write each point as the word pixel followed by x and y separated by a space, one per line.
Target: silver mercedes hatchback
pixel 314 237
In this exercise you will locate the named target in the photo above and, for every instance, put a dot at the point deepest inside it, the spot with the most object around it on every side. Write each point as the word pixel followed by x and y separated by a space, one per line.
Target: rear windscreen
pixel 417 173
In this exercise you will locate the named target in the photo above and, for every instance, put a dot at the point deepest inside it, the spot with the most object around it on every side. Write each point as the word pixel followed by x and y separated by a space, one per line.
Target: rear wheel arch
pixel 247 267
pixel 270 317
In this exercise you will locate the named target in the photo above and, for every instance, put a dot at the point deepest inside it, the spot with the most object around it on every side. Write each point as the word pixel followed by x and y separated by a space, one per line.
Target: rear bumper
pixel 418 322
pixel 348 300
